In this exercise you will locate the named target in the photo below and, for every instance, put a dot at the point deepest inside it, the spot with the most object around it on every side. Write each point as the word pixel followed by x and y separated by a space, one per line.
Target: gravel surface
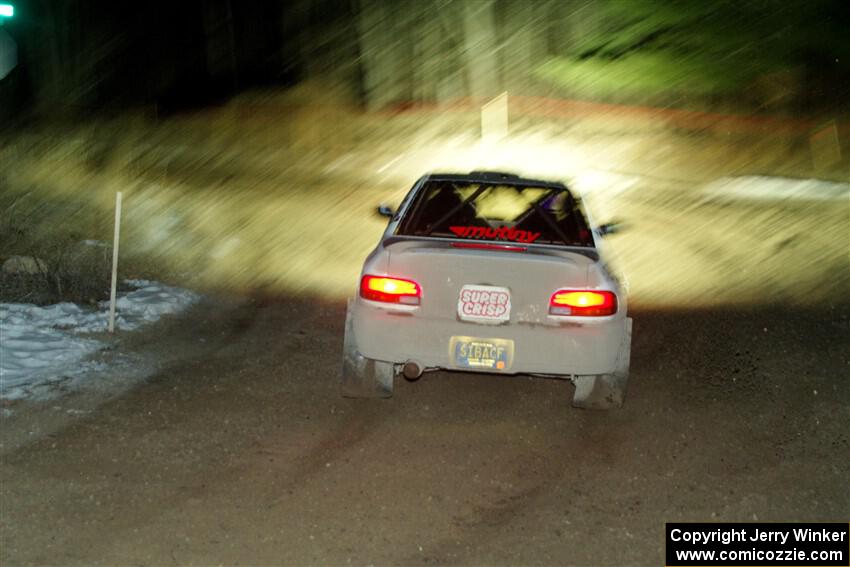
pixel 239 451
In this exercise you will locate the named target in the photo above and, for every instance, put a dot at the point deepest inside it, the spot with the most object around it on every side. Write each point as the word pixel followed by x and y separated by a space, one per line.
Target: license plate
pixel 482 354
pixel 484 304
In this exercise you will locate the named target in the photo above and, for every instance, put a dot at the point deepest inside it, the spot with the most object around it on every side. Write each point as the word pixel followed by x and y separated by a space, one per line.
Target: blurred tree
pixel 658 48
pixel 95 54
pixel 479 32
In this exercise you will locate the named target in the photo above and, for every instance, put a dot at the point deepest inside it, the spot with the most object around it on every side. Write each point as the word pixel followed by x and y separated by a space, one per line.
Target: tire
pixel 606 391
pixel 363 377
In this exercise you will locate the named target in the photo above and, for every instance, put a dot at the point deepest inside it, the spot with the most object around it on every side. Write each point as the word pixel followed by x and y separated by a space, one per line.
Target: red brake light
pixel 390 290
pixel 487 246
pixel 580 302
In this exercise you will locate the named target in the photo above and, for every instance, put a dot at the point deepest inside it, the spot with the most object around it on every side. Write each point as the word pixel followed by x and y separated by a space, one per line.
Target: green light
pixel 7 10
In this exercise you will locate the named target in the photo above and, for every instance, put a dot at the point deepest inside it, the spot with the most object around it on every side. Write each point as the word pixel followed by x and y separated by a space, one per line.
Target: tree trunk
pixel 482 70
pixel 382 50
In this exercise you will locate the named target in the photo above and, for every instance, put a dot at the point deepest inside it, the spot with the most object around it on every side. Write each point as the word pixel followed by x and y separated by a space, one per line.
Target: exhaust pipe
pixel 412 370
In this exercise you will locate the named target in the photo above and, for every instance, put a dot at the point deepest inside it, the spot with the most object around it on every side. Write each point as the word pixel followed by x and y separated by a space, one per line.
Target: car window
pixel 498 212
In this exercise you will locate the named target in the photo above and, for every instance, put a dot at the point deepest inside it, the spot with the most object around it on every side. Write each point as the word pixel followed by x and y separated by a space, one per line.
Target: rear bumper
pixel 539 348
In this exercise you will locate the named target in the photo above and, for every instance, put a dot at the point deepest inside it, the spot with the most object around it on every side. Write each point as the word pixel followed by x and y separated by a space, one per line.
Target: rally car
pixel 493 273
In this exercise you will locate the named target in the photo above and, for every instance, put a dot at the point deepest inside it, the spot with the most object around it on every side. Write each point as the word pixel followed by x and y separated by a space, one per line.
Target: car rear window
pixel 497 212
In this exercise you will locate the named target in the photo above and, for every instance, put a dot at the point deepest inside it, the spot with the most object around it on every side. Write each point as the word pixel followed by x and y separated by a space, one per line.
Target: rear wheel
pixel 606 391
pixel 363 377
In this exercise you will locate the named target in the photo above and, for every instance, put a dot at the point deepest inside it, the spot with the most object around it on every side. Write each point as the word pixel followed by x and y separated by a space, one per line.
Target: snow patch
pixel 42 345
pixel 777 188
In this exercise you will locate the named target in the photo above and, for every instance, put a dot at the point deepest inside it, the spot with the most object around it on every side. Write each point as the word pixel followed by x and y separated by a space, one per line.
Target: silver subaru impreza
pixel 489 272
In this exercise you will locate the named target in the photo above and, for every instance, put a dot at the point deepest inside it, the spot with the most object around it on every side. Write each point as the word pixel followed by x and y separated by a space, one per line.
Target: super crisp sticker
pixel 484 304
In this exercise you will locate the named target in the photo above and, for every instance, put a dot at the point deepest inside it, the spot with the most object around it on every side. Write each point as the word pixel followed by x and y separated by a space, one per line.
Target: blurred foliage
pixel 690 47
pixel 641 74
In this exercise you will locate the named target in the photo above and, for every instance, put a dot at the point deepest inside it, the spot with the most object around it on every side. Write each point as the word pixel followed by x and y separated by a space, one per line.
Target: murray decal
pixel 503 233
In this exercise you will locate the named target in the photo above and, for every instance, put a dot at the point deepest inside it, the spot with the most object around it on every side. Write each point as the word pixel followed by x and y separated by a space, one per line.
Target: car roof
pixel 494 176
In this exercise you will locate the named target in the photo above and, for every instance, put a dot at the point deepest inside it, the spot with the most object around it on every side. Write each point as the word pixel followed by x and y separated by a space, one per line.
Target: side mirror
pixel 385 211
pixel 609 228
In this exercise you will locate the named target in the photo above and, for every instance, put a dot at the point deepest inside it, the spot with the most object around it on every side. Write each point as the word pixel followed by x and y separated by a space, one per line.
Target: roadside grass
pixel 47 258
pixel 269 192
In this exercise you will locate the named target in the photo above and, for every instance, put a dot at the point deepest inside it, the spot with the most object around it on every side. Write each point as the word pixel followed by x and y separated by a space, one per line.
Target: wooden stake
pixel 115 262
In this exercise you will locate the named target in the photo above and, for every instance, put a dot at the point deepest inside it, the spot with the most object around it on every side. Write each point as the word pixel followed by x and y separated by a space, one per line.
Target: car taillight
pixel 390 290
pixel 578 302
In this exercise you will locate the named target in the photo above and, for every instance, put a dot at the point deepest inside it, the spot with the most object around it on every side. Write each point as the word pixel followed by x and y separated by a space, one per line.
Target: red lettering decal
pixel 502 233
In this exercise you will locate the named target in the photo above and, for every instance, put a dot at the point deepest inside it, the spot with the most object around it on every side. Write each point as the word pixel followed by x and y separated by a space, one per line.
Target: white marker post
pixel 115 262
pixel 494 119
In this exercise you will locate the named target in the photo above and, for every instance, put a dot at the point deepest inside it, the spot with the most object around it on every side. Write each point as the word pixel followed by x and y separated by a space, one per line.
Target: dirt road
pixel 239 450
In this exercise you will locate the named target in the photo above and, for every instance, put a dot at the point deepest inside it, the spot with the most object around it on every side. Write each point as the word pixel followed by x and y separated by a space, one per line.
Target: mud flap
pixel 363 377
pixel 606 391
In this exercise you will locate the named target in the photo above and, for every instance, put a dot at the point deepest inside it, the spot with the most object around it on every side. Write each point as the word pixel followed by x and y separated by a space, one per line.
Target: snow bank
pixel 777 188
pixel 39 344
